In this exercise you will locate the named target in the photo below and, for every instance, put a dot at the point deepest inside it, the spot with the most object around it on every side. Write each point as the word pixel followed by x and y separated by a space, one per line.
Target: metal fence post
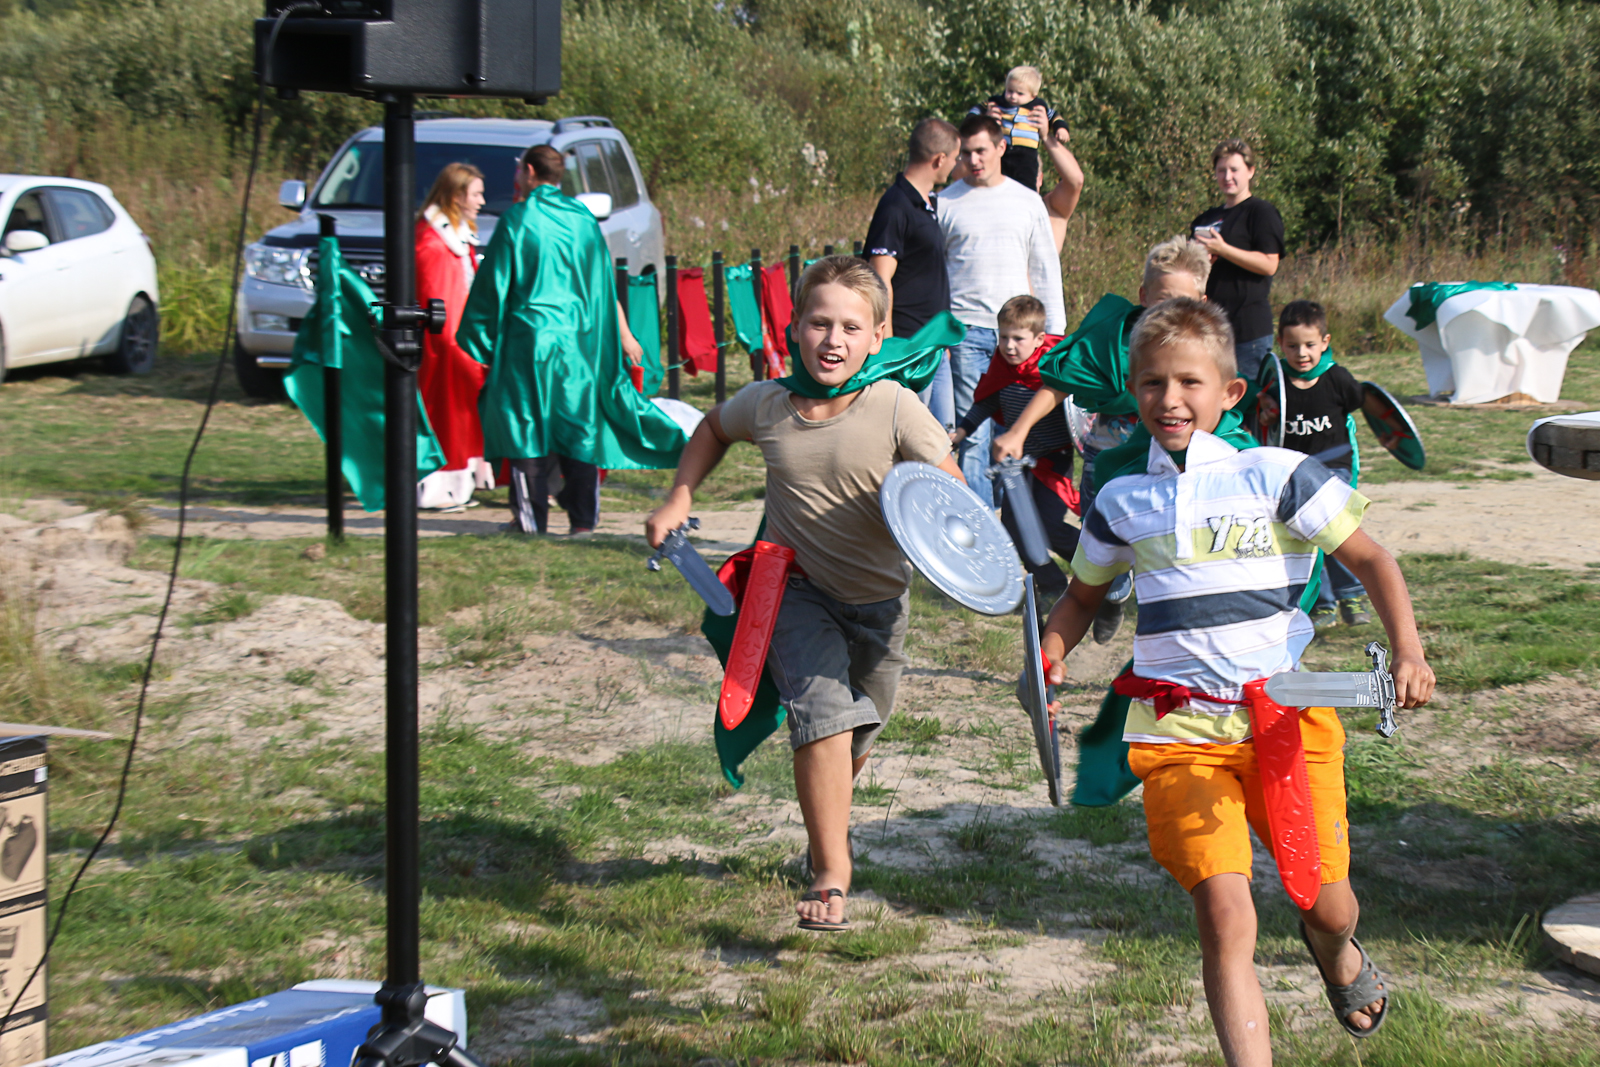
pixel 758 360
pixel 857 249
pixel 672 327
pixel 333 424
pixel 718 281
pixel 794 270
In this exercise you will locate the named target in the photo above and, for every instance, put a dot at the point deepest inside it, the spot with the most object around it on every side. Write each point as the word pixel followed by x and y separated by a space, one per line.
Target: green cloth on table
pixel 644 319
pixel 542 315
pixel 1091 364
pixel 911 361
pixel 1427 296
pixel 1103 775
pixel 745 305
pixel 338 333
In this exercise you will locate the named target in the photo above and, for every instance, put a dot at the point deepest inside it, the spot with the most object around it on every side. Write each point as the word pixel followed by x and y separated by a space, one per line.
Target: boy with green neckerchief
pixel 1319 402
pixel 830 433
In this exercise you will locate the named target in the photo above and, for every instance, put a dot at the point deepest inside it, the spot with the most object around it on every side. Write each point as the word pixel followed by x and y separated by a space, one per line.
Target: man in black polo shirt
pixel 906 247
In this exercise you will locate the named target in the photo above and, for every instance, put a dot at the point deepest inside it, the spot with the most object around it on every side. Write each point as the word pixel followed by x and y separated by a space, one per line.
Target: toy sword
pixel 1034 543
pixel 701 578
pixel 1369 689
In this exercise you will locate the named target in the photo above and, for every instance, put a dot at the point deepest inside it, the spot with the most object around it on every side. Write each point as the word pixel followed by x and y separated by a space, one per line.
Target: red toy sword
pixel 758 613
pixel 1281 756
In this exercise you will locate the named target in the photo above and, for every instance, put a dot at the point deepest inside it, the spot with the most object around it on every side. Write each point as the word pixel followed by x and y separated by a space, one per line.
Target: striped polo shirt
pixel 1221 553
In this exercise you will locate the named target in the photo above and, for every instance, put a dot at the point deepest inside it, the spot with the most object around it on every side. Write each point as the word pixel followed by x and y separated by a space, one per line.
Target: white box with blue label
pixel 314 1024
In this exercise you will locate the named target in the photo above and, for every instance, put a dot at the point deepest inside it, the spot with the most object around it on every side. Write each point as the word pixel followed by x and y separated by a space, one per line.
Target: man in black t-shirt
pixel 1245 238
pixel 1320 398
pixel 906 247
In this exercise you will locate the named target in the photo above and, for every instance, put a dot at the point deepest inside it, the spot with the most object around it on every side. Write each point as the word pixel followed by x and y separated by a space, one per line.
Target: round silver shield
pixel 1080 424
pixel 1392 426
pixel 1271 407
pixel 1567 444
pixel 952 538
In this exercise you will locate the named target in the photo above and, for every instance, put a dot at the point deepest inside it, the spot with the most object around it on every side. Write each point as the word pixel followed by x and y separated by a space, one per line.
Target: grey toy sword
pixel 1367 689
pixel 701 578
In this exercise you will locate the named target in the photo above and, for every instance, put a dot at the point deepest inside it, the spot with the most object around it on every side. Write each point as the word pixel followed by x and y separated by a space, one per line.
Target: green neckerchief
pixel 1180 457
pixel 1091 364
pixel 1104 776
pixel 911 361
pixel 1315 372
pixel 1427 296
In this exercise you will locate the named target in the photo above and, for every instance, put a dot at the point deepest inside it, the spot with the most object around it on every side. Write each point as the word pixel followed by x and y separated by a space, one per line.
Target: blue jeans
pixel 1249 354
pixel 968 361
pixel 939 396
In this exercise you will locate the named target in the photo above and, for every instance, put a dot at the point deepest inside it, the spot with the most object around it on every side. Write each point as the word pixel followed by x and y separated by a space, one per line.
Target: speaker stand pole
pixel 404 1038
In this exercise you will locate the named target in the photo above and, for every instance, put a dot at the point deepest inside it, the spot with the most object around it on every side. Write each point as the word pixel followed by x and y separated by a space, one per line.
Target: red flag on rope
pixel 777 311
pixel 697 346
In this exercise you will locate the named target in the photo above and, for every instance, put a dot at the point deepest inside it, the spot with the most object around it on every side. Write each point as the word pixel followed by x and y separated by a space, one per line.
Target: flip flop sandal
pixel 826 896
pixel 1369 986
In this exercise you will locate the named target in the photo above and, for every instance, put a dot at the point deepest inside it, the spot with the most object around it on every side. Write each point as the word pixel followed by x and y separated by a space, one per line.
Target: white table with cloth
pixel 1487 341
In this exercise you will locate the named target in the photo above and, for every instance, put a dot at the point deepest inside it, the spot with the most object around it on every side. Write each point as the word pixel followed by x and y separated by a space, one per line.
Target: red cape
pixel 1001 374
pixel 450 380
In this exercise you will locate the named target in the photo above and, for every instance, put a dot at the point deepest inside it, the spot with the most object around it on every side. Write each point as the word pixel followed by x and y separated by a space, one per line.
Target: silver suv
pixel 279 269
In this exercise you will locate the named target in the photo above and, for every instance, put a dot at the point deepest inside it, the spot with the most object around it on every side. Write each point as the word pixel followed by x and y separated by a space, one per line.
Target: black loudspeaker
pixel 425 47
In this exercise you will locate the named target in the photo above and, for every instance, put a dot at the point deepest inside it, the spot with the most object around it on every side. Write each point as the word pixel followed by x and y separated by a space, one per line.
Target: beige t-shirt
pixel 823 480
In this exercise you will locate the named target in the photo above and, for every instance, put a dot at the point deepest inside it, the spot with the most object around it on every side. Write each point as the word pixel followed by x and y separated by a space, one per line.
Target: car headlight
pixel 280 266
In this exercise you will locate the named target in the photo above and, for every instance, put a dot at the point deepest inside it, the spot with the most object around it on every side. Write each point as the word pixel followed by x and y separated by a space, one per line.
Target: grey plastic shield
pixel 952 538
pixel 1392 426
pixel 1036 697
pixel 1272 403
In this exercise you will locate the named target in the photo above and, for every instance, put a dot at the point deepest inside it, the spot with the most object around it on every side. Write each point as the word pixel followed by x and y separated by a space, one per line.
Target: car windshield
pixel 356 178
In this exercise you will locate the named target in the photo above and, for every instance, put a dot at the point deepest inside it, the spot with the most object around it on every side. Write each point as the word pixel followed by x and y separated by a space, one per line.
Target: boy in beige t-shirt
pixel 837 649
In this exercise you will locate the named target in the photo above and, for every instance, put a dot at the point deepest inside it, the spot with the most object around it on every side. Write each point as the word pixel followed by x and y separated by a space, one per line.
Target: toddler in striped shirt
pixel 1222 539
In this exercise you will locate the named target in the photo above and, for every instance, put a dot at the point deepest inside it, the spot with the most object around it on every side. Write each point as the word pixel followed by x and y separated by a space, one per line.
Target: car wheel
pixel 261 383
pixel 141 329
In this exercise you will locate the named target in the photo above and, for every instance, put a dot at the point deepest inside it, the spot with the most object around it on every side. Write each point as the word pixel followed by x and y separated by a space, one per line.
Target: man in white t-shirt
pixel 997 245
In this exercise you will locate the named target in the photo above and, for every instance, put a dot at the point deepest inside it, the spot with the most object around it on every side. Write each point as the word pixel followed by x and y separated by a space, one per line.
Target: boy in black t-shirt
pixel 1321 398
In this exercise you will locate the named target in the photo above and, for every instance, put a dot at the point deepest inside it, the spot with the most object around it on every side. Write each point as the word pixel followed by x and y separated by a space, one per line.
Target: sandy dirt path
pixel 1542 519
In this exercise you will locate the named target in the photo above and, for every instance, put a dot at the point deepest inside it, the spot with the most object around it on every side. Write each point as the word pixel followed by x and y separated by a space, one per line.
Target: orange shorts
pixel 1201 801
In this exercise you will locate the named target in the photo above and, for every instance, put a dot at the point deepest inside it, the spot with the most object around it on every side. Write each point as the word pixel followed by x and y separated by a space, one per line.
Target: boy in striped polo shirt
pixel 1222 542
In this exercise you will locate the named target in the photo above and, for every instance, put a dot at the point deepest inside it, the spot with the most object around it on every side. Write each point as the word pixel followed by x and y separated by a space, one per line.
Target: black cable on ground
pixel 229 338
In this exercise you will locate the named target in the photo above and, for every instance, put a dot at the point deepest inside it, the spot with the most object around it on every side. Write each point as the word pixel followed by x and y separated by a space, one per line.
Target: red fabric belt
pixel 1167 696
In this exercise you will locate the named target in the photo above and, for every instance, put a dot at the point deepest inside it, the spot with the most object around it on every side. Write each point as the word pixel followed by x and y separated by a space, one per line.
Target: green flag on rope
pixel 644 319
pixel 745 304
pixel 338 333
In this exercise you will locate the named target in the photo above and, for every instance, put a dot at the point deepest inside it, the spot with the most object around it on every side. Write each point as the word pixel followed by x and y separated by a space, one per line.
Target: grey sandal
pixel 1369 986
pixel 826 897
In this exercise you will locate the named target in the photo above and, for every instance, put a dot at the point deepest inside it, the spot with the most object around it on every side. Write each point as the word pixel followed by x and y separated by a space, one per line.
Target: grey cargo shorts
pixel 837 665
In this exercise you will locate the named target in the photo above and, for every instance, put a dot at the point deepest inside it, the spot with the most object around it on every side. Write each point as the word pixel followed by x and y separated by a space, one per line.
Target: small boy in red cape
pixel 1002 394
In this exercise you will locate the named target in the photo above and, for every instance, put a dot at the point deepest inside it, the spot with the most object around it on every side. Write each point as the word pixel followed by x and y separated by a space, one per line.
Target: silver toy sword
pixel 1369 689
pixel 701 578
pixel 1033 543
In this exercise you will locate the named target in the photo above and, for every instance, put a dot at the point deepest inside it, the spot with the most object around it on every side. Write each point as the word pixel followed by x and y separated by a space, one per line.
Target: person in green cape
pixel 1091 366
pixel 542 315
pixel 830 433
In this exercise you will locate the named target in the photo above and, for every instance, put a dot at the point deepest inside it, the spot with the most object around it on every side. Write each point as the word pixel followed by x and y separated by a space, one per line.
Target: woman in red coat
pixel 450 380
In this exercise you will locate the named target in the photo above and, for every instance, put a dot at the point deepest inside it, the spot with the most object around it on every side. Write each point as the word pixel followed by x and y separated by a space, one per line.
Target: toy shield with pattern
pixel 1036 697
pixel 1392 426
pixel 952 537
pixel 1271 406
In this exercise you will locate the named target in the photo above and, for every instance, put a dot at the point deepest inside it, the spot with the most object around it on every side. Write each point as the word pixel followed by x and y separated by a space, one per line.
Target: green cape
pixel 338 334
pixel 1103 773
pixel 644 319
pixel 1427 296
pixel 1091 365
pixel 910 361
pixel 744 302
pixel 542 314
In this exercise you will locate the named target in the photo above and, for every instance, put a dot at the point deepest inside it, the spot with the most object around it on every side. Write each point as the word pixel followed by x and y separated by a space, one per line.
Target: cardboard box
pixel 315 1024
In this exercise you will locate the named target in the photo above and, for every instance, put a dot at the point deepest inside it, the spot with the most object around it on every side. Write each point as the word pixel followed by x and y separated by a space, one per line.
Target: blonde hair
pixel 1025 311
pixel 448 189
pixel 1178 255
pixel 1027 77
pixel 1234 146
pixel 1182 319
pixel 851 272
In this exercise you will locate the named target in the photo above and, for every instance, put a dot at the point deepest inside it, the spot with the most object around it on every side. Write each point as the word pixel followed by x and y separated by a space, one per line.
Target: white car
pixel 77 279
pixel 277 289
